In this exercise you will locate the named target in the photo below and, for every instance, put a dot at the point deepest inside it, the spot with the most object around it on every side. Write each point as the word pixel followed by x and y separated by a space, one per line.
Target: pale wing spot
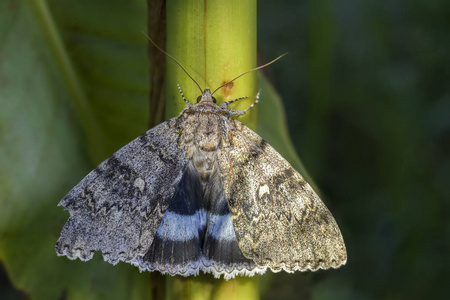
pixel 223 227
pixel 139 183
pixel 180 228
pixel 264 189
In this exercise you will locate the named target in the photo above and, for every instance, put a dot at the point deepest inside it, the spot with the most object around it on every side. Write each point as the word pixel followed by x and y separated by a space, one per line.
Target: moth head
pixel 206 97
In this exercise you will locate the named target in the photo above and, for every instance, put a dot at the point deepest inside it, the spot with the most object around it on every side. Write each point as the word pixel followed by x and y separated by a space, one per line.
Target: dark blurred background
pixel 366 88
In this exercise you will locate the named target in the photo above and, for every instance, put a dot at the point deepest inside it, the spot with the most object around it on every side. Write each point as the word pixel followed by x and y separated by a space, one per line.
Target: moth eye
pixel 198 99
pixel 214 99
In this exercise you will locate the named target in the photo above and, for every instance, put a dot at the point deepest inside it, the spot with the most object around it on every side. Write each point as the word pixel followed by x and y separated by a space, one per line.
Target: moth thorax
pixel 209 145
pixel 207 134
pixel 203 163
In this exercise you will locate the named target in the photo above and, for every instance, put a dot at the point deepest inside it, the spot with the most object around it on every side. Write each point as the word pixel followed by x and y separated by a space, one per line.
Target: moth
pixel 201 192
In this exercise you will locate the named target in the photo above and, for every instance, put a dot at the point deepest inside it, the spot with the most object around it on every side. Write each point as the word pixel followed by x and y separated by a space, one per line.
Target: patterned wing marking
pixel 176 248
pixel 118 207
pixel 222 255
pixel 279 220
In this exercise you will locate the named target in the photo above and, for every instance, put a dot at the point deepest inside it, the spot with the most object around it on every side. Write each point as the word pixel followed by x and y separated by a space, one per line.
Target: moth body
pixel 201 192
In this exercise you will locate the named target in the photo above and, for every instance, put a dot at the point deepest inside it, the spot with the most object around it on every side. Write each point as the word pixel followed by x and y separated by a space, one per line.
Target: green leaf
pixel 272 126
pixel 61 103
pixel 105 44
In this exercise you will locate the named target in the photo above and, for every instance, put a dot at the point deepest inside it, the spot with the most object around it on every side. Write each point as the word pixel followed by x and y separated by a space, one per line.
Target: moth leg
pixel 235 112
pixel 229 102
pixel 182 95
pixel 253 104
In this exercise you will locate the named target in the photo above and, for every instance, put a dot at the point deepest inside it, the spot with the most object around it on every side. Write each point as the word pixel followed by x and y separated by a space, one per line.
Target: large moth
pixel 203 192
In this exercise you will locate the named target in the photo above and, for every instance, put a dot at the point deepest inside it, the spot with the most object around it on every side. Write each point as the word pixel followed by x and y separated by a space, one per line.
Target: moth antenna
pixel 257 68
pixel 182 95
pixel 173 58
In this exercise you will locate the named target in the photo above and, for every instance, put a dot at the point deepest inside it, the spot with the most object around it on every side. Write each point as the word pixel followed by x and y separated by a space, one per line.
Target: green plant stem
pixel 215 41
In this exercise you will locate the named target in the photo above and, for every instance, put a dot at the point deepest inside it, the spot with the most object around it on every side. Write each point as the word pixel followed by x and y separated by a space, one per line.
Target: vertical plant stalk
pixel 156 28
pixel 215 41
pixel 156 21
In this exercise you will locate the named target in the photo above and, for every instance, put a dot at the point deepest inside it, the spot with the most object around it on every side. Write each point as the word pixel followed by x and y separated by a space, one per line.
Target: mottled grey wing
pixel 118 207
pixel 279 220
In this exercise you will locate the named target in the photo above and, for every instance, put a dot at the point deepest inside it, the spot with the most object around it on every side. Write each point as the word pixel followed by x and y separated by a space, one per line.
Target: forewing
pixel 118 207
pixel 279 220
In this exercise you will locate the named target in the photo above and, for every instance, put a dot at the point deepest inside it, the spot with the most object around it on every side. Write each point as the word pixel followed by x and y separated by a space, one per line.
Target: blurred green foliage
pixel 367 97
pixel 45 143
pixel 367 92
